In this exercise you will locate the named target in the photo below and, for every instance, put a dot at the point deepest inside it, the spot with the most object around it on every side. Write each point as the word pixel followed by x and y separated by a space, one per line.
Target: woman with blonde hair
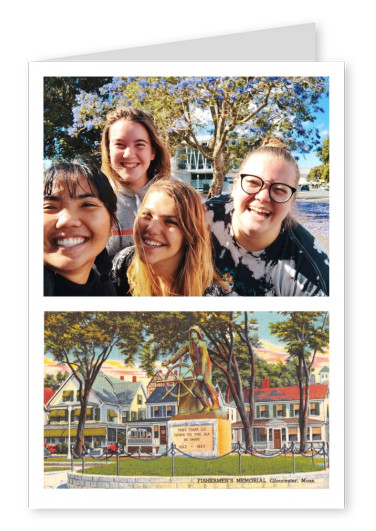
pixel 259 247
pixel 172 253
pixel 134 156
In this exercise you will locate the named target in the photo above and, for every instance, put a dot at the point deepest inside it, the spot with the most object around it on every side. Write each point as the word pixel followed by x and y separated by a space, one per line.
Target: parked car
pixel 304 188
pixel 51 448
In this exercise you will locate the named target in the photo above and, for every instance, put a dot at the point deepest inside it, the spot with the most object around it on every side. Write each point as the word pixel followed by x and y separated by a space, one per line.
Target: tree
pixel 236 112
pixel 59 98
pixel 321 173
pixel 55 382
pixel 305 334
pixel 83 341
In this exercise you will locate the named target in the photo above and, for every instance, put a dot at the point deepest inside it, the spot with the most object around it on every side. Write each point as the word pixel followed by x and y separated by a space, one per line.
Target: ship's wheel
pixel 179 381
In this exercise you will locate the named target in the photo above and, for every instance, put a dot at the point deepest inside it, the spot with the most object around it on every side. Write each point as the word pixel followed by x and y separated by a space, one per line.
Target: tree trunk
pixel 220 167
pixel 80 440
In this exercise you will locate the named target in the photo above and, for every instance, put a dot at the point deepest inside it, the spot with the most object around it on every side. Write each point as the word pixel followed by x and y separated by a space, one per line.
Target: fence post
pixel 323 451
pixel 173 458
pixel 72 458
pixel 312 454
pixel 327 452
pixel 117 463
pixel 83 462
pixel 239 459
pixel 293 457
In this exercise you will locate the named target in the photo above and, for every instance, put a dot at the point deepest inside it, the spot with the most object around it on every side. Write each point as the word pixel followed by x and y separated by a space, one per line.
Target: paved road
pixel 316 196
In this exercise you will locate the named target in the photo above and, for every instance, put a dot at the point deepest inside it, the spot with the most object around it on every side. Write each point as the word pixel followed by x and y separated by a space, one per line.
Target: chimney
pixel 265 383
pixel 134 378
pixel 122 378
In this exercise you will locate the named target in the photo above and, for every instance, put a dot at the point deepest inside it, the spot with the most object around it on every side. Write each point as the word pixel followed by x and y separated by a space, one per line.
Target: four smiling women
pixel 161 230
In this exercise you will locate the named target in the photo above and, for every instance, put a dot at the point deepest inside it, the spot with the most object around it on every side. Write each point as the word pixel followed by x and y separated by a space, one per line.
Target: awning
pixel 78 411
pixel 67 393
pixel 57 413
pixel 111 413
pixel 63 432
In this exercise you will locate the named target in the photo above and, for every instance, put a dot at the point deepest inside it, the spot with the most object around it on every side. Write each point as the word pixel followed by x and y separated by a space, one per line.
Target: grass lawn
pixel 56 468
pixel 226 466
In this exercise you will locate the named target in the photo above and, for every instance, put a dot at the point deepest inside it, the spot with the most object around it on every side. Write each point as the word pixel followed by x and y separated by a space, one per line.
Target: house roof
pixel 324 369
pixel 280 394
pixel 109 389
pixel 158 394
pixel 48 394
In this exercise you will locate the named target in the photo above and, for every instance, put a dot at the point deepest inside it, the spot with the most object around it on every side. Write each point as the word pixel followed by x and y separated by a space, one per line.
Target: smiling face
pixel 257 220
pixel 76 230
pixel 131 152
pixel 158 236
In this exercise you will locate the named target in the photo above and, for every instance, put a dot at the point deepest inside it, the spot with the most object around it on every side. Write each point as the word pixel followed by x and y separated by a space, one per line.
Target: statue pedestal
pixel 201 434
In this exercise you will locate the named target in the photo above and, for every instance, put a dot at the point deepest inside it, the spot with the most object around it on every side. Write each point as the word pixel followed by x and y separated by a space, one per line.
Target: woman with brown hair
pixel 259 247
pixel 172 253
pixel 133 157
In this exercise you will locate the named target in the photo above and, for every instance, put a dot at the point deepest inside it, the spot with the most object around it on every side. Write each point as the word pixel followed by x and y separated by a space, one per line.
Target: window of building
pixel 111 435
pixel 314 408
pixel 68 396
pixel 139 399
pixel 283 434
pixel 316 434
pixel 97 414
pixel 170 411
pixel 293 434
pixel 133 415
pixel 294 410
pixel 270 434
pixel 259 434
pixel 262 411
pixel 156 432
pixel 156 411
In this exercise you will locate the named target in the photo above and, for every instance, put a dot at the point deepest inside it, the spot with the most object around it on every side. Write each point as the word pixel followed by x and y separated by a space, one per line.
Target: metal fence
pixel 313 451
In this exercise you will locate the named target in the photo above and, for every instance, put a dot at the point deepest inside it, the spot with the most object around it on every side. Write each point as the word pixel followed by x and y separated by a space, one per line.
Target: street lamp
pixel 69 455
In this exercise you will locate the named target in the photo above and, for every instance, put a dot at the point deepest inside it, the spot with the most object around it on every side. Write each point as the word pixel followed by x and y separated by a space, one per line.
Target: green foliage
pixel 59 98
pixel 321 173
pixel 54 382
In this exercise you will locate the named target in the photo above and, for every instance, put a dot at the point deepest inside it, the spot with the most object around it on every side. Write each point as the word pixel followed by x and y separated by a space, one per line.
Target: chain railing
pixel 313 450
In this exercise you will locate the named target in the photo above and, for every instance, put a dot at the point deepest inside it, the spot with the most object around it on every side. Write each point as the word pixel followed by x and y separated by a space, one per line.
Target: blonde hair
pixel 275 147
pixel 159 168
pixel 196 272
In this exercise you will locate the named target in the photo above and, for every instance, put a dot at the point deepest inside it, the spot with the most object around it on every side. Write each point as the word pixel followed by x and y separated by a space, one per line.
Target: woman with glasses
pixel 259 248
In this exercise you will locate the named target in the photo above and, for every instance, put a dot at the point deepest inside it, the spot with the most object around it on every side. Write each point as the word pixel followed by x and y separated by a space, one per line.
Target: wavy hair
pixel 196 272
pixel 159 168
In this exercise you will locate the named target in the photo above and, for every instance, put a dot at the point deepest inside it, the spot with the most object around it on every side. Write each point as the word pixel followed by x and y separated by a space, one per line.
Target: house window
pixel 111 435
pixel 314 408
pixel 111 415
pixel 97 414
pixel 133 415
pixel 293 434
pixel 156 411
pixel 156 432
pixel 170 411
pixel 294 410
pixel 68 396
pixel 279 410
pixel 259 434
pixel 139 399
pixel 283 434
pixel 270 434
pixel 262 411
pixel 316 434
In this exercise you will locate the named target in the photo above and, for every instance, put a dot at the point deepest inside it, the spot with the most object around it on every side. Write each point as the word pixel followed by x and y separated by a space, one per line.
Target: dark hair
pixel 69 173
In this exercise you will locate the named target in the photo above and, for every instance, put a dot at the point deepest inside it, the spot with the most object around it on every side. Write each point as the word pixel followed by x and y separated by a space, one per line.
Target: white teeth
pixel 153 244
pixel 260 211
pixel 70 242
pixel 130 165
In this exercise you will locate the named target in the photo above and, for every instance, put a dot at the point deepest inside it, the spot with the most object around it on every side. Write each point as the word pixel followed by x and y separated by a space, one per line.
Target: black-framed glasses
pixel 278 192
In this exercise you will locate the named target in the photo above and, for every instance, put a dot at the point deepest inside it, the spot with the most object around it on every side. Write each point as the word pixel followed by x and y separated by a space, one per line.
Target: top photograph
pixel 186 186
